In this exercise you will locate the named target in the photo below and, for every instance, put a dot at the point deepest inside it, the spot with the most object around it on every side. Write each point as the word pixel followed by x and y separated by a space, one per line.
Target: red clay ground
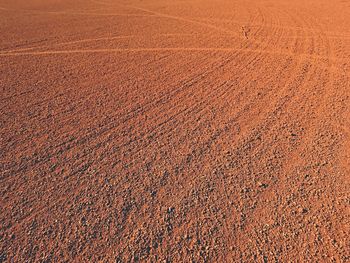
pixel 175 131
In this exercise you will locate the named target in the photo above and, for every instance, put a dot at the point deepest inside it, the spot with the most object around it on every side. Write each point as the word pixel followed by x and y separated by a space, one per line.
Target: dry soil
pixel 174 131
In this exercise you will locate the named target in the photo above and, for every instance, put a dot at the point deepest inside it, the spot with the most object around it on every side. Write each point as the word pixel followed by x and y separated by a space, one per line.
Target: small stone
pixel 303 210
pixel 262 185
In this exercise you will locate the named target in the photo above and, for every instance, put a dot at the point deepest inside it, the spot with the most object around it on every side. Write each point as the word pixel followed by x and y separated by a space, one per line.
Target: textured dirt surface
pixel 175 131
